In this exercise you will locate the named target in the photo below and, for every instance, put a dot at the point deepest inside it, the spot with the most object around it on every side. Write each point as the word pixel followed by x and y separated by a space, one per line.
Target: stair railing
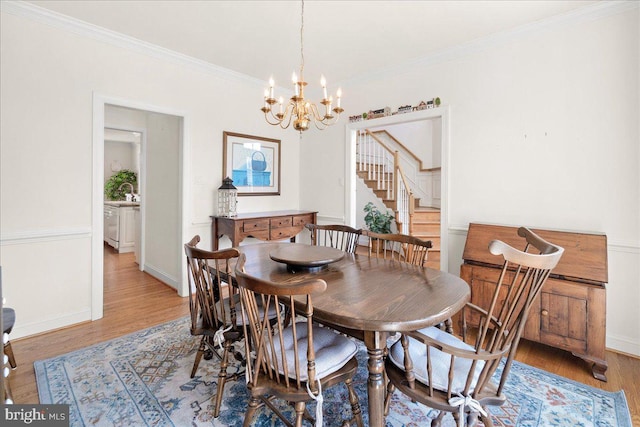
pixel 405 202
pixel 378 161
pixel 382 165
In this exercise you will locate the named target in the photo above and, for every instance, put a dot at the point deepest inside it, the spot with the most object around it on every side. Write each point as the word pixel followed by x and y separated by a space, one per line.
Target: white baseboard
pixel 26 329
pixel 623 345
pixel 161 275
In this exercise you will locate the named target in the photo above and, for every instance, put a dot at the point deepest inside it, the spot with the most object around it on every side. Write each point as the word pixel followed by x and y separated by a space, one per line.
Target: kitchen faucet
pixel 130 185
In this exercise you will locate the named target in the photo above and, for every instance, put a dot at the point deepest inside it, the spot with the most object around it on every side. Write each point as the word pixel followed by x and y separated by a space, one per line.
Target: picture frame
pixel 252 162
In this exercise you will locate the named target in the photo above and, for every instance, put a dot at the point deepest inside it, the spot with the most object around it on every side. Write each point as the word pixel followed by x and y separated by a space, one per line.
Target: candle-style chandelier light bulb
pixel 299 110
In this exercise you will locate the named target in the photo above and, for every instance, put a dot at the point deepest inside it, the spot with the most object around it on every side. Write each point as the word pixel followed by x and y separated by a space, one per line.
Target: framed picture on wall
pixel 253 163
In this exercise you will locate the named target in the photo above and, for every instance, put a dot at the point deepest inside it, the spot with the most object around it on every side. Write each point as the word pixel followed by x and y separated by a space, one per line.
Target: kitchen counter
pixel 120 203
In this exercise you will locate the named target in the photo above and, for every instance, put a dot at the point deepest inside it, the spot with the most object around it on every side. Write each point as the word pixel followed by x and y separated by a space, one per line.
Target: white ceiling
pixel 342 39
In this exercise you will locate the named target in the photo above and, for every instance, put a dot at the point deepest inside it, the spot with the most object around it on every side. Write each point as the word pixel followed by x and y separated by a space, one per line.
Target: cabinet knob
pixel 544 312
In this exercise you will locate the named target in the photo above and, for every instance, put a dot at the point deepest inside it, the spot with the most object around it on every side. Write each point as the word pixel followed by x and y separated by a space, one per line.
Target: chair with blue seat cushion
pixel 454 374
pixel 293 361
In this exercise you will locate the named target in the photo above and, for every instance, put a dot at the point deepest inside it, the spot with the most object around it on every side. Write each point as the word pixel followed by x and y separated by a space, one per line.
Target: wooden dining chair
pixel 453 374
pixel 399 247
pixel 212 305
pixel 296 362
pixel 8 321
pixel 336 236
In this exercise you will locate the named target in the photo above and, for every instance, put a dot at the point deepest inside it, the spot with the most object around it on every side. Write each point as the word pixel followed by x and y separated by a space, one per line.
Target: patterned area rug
pixel 143 380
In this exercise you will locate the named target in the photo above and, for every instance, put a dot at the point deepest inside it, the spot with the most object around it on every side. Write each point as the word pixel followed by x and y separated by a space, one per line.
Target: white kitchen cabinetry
pixel 120 226
pixel 127 230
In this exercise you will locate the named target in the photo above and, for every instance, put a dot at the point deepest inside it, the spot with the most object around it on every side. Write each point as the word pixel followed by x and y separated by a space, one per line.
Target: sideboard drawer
pixel 276 225
pixel 283 233
pixel 255 225
pixel 302 220
pixel 284 221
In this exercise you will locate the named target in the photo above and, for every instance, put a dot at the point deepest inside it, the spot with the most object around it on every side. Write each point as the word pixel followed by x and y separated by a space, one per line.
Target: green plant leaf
pixel 112 187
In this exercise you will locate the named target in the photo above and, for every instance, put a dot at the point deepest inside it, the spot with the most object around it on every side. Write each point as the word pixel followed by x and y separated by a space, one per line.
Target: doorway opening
pixel 154 217
pixel 440 114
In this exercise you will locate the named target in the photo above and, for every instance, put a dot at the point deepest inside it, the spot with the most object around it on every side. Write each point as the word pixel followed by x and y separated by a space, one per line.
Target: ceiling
pixel 342 39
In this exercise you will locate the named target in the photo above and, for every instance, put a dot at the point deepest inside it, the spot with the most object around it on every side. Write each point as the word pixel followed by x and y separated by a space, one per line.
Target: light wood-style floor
pixel 133 300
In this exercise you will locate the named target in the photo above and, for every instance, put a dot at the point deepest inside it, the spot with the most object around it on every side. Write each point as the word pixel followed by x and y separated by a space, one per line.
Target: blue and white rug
pixel 142 379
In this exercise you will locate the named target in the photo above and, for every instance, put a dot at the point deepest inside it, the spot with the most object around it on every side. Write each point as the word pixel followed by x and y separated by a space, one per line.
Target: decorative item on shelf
pixel 430 103
pixel 114 188
pixel 437 101
pixel 404 109
pixel 300 110
pixel 227 198
pixel 381 112
pixel 421 106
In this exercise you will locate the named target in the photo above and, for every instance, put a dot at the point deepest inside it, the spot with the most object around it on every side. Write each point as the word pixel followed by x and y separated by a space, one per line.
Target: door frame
pixel 142 181
pixel 97 227
pixel 351 175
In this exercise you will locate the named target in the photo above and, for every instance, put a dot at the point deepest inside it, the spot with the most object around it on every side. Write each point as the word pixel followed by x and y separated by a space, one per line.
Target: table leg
pixel 376 342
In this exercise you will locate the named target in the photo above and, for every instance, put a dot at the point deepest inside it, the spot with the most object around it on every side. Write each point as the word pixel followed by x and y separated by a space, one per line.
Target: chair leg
pixel 9 352
pixel 222 377
pixel 486 420
pixel 300 409
pixel 437 420
pixel 254 402
pixel 198 357
pixel 472 419
pixel 448 326
pixel 355 404
pixel 387 399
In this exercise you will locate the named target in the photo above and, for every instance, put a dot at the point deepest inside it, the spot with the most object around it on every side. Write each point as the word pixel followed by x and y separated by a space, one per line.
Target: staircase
pixel 424 222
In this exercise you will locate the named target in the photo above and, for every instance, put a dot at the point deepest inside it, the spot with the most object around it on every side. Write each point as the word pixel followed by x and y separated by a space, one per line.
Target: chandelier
pixel 299 110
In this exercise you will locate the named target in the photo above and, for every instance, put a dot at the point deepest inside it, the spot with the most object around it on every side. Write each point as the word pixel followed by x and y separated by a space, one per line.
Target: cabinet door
pixel 127 228
pixel 563 315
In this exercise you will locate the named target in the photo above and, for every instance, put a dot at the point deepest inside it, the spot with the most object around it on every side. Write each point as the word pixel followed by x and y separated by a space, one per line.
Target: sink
pixel 120 203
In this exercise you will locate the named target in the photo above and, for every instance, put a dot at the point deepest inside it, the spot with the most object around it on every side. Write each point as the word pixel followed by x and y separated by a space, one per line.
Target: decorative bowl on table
pixel 299 257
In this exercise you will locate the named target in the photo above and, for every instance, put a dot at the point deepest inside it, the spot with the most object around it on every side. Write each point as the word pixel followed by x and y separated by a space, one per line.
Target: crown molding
pixel 593 12
pixel 589 13
pixel 76 26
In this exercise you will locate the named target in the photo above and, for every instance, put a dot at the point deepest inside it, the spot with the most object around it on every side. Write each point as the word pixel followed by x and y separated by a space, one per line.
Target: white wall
pixel 163 250
pixel 544 132
pixel 120 155
pixel 49 73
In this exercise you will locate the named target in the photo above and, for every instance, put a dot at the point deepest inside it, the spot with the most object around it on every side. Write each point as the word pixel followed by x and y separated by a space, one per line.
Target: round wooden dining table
pixel 375 296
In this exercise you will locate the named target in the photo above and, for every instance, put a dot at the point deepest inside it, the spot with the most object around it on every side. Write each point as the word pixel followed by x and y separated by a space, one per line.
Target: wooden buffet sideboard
pixel 570 312
pixel 276 225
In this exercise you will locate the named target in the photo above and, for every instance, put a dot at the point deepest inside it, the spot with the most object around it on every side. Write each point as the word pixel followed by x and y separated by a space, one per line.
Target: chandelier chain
pixel 302 41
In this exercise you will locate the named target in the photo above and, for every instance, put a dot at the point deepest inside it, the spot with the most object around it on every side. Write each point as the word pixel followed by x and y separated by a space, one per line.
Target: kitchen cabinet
pixel 120 225
pixel 127 229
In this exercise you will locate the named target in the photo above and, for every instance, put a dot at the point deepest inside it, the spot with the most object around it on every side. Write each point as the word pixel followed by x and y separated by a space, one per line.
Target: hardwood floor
pixel 133 300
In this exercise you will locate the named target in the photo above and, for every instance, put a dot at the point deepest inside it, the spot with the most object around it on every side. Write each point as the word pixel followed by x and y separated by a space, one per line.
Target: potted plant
pixel 377 222
pixel 112 187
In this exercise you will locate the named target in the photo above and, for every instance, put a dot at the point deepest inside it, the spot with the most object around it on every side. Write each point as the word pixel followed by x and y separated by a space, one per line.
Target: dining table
pixel 376 296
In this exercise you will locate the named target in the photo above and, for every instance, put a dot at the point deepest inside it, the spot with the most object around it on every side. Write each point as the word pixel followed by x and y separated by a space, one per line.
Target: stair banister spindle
pixel 369 162
pixel 377 160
